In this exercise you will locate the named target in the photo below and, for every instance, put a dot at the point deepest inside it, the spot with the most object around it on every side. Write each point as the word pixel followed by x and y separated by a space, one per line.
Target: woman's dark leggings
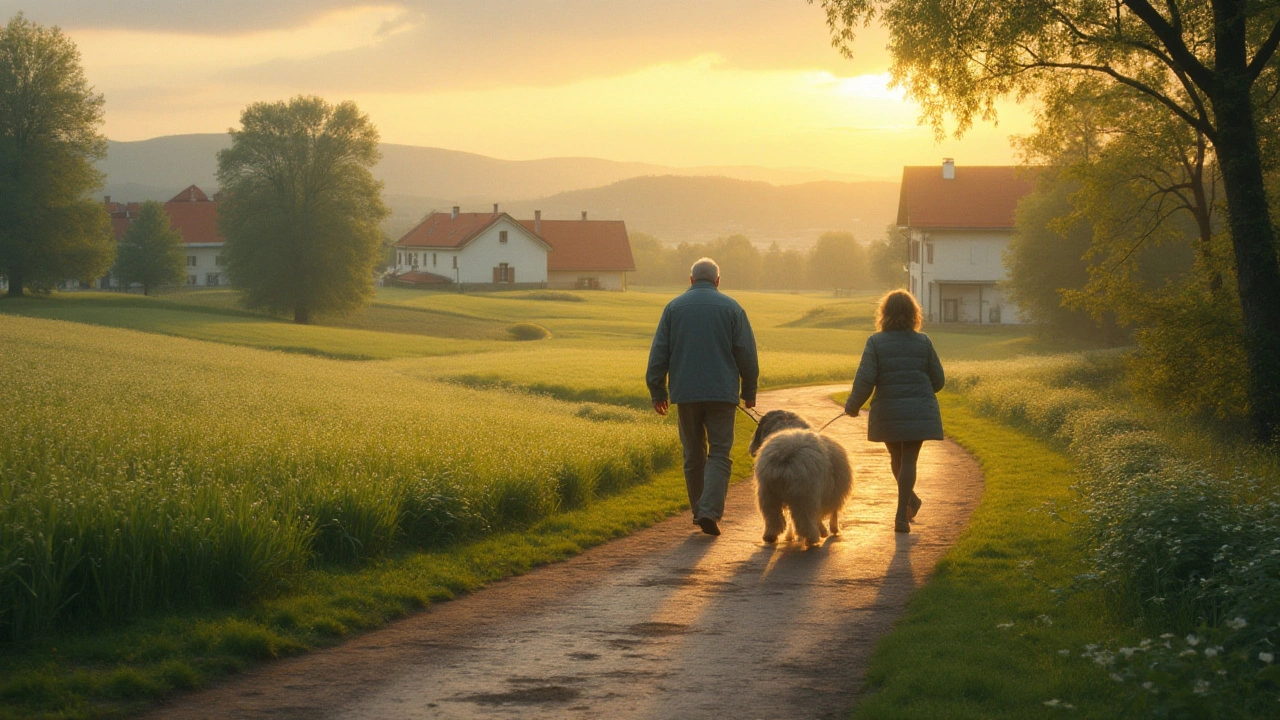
pixel 903 457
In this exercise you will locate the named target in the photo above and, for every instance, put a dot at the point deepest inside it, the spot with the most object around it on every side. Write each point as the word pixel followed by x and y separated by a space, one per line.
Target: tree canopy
pixel 302 208
pixel 49 120
pixel 1207 64
pixel 151 252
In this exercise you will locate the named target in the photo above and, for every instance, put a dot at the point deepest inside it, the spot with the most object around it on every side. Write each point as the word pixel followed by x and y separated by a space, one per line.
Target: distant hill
pixel 699 208
pixel 672 203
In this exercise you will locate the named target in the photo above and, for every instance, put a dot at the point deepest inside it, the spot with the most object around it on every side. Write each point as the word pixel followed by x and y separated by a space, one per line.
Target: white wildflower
pixel 1266 657
pixel 1237 624
pixel 1053 703
pixel 1005 625
pixel 1192 640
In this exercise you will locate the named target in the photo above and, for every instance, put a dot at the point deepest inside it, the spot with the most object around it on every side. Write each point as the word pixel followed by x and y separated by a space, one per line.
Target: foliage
pixel 151 251
pixel 49 120
pixel 887 260
pixel 1177 547
pixel 1046 256
pixel 528 331
pixel 302 208
pixel 207 474
pixel 1205 71
pixel 836 260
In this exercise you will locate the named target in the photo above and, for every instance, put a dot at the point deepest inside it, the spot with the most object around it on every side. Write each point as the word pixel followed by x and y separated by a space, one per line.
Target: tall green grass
pixel 1189 552
pixel 140 472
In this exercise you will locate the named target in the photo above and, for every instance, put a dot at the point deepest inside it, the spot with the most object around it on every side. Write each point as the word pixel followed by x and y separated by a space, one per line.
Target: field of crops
pixel 187 465
pixel 140 472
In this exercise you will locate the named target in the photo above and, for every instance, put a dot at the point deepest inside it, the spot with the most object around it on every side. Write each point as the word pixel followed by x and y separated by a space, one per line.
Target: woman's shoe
pixel 900 524
pixel 913 507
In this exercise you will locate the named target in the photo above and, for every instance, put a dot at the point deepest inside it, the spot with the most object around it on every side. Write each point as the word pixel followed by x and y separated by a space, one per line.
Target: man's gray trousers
pixel 706 432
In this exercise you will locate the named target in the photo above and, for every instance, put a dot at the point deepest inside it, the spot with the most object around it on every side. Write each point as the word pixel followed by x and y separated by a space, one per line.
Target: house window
pixel 928 253
pixel 211 279
pixel 415 259
pixel 503 273
pixel 455 262
pixel 433 259
pixel 191 262
pixel 915 251
pixel 502 236
pixel 399 258
pixel 220 261
pixel 191 279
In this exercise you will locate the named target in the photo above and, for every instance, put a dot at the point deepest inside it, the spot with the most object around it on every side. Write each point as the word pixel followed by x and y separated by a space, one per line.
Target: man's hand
pixel 661 407
pixel 748 404
pixel 852 413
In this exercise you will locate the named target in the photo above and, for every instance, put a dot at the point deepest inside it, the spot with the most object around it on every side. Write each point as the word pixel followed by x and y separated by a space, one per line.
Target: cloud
pixel 425 45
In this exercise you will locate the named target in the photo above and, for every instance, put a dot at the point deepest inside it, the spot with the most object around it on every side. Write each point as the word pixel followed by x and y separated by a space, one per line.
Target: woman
pixel 901 366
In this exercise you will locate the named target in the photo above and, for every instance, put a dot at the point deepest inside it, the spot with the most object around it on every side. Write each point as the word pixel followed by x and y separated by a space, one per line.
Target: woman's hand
pixel 852 413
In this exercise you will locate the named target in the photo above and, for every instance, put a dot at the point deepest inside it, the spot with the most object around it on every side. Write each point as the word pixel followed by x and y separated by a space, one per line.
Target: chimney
pixel 948 169
pixel 495 208
pixel 454 216
pixel 106 199
pixel 537 222
pixel 584 215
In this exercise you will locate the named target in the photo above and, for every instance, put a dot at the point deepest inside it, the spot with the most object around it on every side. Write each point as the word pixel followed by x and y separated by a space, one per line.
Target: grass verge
pixel 985 638
pixel 89 673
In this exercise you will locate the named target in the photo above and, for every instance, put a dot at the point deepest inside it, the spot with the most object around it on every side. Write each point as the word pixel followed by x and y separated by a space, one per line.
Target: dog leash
pixel 754 419
pixel 824 427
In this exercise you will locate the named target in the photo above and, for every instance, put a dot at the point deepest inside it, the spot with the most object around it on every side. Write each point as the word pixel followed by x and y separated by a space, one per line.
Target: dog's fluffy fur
pixel 798 469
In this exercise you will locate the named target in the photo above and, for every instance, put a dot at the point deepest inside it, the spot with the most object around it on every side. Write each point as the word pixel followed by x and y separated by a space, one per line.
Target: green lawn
pixel 998 632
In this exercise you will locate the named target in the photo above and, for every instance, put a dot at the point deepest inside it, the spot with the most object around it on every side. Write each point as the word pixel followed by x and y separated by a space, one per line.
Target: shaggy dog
pixel 798 469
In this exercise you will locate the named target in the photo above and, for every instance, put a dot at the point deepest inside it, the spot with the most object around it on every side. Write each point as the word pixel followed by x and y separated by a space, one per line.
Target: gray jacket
pixel 903 369
pixel 705 344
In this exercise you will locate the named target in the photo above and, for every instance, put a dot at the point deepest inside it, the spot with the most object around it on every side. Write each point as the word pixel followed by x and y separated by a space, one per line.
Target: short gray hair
pixel 705 269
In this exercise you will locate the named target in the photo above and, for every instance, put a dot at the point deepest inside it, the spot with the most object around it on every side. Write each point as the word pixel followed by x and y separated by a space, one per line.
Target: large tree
pixel 151 251
pixel 837 261
pixel 49 120
pixel 1210 64
pixel 302 208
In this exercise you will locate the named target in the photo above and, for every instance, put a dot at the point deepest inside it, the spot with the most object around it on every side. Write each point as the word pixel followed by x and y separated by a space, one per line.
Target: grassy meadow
pixel 186 487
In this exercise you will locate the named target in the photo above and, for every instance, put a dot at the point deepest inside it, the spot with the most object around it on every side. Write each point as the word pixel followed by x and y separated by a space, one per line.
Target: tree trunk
pixel 1253 242
pixel 15 282
pixel 301 315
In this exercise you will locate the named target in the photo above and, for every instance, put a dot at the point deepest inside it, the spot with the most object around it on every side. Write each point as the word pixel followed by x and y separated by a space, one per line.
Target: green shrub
pixel 528 331
pixel 1181 549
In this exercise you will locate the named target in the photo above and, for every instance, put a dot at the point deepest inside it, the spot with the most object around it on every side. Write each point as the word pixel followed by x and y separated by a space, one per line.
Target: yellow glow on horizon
pixel 702 110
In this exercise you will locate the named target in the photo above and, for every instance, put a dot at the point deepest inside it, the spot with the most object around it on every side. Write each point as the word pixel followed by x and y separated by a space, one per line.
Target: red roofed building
pixel 195 216
pixel 495 251
pixel 958 222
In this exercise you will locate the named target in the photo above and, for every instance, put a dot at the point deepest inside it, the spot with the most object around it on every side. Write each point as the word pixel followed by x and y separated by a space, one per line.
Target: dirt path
pixel 665 623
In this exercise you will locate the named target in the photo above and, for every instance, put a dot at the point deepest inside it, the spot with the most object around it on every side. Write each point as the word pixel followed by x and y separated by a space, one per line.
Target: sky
pixel 674 82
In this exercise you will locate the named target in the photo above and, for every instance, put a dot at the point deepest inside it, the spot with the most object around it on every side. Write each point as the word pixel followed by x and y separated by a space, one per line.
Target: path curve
pixel 664 623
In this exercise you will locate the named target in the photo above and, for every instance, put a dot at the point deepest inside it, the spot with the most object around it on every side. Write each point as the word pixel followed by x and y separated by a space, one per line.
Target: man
pixel 704 343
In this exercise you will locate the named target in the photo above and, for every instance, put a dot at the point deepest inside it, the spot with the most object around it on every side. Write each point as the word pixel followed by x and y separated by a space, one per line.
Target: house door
pixel 950 310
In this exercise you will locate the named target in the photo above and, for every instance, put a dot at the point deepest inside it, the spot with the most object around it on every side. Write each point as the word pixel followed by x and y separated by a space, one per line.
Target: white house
pixel 496 251
pixel 958 222
pixel 195 216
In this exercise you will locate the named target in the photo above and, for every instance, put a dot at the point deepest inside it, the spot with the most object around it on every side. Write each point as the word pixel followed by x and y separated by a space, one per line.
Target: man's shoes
pixel 913 506
pixel 708 526
pixel 901 526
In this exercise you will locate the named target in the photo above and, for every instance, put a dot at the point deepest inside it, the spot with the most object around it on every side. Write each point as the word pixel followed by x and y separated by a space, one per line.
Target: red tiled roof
pixel 442 230
pixel 422 278
pixel 191 213
pixel 190 194
pixel 586 244
pixel 197 221
pixel 978 196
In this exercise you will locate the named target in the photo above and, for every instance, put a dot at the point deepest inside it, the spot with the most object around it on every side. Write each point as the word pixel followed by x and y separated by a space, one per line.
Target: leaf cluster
pixel 302 208
pixel 49 121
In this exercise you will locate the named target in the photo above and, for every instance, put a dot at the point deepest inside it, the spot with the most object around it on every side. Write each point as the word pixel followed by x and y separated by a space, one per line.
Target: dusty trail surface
pixel 665 623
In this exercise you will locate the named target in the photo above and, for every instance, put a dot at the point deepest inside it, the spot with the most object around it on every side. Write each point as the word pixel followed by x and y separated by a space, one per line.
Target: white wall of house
pixel 525 256
pixel 581 279
pixel 205 265
pixel 964 266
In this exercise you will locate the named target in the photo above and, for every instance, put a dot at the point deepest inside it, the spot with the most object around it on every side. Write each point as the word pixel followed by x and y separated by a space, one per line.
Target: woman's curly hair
pixel 898 311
